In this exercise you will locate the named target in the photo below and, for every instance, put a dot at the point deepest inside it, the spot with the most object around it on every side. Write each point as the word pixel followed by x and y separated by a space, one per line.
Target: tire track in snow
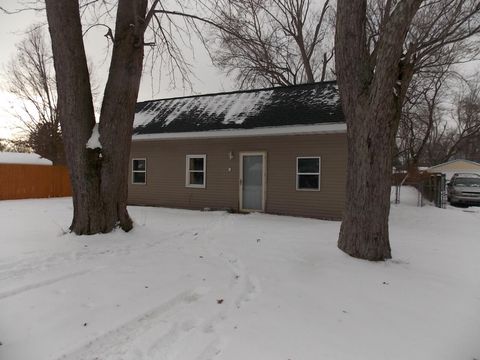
pixel 40 284
pixel 170 345
pixel 212 350
pixel 118 342
pixel 9 270
pixel 35 264
pixel 243 288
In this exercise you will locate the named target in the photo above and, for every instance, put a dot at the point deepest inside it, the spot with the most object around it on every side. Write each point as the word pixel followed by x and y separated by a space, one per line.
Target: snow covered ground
pixel 211 285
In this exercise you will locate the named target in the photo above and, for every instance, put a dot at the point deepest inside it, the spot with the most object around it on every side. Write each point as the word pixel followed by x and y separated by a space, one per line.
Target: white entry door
pixel 252 181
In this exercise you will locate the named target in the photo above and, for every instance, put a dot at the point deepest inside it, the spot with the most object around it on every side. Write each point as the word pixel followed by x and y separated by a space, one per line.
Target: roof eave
pixel 326 128
pixel 452 161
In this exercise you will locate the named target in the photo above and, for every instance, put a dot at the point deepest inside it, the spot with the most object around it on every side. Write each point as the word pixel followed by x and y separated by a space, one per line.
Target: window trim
pixel 188 171
pixel 139 171
pixel 303 173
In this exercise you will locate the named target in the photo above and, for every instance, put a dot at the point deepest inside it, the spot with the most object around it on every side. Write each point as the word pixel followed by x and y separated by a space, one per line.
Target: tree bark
pixel 118 110
pixel 364 231
pixel 309 77
pixel 98 176
pixel 371 101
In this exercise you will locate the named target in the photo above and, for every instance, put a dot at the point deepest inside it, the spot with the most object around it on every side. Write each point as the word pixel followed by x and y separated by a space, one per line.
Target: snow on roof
pixel 454 161
pixel 23 158
pixel 281 106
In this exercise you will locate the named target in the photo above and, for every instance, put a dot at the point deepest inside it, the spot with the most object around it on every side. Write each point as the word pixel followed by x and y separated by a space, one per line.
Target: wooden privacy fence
pixel 21 181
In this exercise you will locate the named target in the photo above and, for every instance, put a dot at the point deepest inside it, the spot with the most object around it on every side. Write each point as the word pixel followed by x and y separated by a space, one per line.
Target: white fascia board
pixel 330 128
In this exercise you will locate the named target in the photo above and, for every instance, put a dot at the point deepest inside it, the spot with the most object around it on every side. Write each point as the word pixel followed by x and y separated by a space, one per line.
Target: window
pixel 308 173
pixel 196 171
pixel 139 171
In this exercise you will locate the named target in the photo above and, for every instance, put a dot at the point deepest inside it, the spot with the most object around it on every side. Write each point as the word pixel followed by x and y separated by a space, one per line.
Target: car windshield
pixel 467 182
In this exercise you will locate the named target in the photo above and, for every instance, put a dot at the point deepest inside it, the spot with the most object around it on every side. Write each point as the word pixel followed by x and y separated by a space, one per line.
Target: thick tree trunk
pixel 371 99
pixel 118 110
pixel 98 176
pixel 364 231
pixel 76 113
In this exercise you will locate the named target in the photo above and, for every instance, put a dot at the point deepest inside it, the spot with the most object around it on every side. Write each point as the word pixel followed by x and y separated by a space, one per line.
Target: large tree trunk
pixel 98 176
pixel 371 98
pixel 118 110
pixel 364 231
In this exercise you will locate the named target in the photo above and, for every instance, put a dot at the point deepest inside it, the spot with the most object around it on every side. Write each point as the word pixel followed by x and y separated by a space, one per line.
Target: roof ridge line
pixel 241 91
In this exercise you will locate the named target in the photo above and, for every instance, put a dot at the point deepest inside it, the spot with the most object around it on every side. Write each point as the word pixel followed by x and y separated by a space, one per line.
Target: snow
pixel 144 117
pixel 94 140
pixel 329 97
pixel 184 106
pixel 287 291
pixel 234 107
pixel 23 158
pixel 247 104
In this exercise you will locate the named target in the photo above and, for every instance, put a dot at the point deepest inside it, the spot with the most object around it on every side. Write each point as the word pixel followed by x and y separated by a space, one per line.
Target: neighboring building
pixel 279 150
pixel 456 166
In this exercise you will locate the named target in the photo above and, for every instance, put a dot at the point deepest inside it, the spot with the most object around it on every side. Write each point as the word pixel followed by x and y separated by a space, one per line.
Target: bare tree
pixel 14 145
pixel 421 115
pixel 468 121
pixel 367 82
pixel 3 145
pixel 431 130
pixel 99 173
pixel 30 77
pixel 376 58
pixel 273 42
pixel 462 139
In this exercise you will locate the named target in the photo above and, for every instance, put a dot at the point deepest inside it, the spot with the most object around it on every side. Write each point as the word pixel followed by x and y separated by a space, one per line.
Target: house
pixel 278 150
pixel 455 166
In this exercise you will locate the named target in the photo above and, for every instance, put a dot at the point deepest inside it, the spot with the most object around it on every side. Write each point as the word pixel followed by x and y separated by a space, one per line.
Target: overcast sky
pixel 206 78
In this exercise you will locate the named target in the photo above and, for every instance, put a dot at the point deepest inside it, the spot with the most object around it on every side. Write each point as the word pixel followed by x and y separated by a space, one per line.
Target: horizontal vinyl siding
pixel 166 173
pixel 282 196
pixel 166 167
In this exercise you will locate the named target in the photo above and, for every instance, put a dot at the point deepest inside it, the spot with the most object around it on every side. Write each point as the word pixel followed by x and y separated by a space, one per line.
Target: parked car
pixel 464 189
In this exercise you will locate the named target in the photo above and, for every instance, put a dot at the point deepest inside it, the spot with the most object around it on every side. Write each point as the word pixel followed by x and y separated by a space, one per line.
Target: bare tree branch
pixel 273 42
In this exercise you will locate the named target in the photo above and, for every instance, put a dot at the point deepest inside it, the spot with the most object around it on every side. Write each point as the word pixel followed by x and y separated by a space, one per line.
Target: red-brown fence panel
pixel 22 181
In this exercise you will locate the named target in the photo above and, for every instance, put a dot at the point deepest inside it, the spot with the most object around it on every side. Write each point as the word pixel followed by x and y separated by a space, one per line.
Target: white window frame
pixel 188 171
pixel 139 171
pixel 315 173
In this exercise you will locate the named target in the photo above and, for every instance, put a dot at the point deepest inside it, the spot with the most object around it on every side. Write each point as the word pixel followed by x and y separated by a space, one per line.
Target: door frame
pixel 241 154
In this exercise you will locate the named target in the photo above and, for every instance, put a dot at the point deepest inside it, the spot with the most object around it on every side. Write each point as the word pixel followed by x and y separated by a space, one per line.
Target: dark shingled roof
pixel 289 105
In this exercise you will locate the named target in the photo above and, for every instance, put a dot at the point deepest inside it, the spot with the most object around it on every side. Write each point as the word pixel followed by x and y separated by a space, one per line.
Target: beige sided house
pixel 279 150
pixel 456 166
